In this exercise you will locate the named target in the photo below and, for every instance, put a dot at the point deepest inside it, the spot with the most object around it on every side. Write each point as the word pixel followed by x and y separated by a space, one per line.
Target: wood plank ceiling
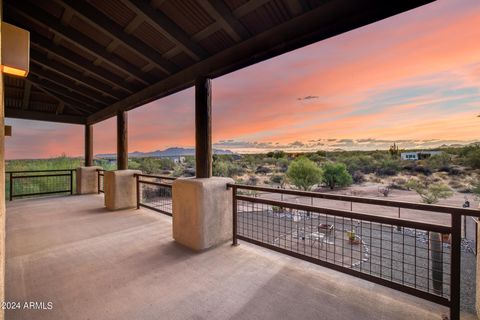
pixel 91 59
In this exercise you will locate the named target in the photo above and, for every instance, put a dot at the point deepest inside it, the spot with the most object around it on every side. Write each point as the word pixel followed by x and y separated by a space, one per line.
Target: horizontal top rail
pixel 49 170
pixel 365 200
pixel 156 183
pixel 42 176
pixel 352 215
pixel 154 176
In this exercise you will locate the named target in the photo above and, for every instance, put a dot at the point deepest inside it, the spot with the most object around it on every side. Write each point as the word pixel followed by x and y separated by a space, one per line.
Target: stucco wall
pixel 2 186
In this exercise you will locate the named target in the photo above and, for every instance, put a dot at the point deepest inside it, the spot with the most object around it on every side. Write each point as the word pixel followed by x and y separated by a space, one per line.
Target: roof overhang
pixel 91 60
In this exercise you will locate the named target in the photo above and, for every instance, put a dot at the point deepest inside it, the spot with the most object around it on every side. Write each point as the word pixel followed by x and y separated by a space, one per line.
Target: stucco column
pixel 120 188
pixel 87 180
pixel 202 212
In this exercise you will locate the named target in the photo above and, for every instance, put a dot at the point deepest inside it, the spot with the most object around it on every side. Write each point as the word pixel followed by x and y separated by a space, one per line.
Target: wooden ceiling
pixel 91 59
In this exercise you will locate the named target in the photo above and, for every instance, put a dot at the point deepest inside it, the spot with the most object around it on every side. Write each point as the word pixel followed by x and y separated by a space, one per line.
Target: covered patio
pixel 98 264
pixel 92 256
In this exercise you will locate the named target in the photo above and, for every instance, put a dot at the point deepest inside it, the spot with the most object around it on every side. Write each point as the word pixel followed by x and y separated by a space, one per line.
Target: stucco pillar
pixel 120 189
pixel 87 180
pixel 202 212
pixel 2 185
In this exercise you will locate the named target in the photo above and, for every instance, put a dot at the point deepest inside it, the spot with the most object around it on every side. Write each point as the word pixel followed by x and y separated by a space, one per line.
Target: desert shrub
pixel 152 165
pixel 315 157
pixel 423 170
pixel 438 161
pixel 277 154
pixel 252 181
pixel 282 164
pixel 476 189
pixel 304 173
pixel 399 184
pixel 270 161
pixel 430 192
pixel 473 158
pixel 263 170
pixel 388 167
pixel 358 177
pixel 336 175
pixel 226 169
pixel 365 164
pixel 455 171
pixel 276 178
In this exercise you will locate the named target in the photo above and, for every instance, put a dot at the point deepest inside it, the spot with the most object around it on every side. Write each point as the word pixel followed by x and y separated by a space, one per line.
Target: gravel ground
pixel 402 255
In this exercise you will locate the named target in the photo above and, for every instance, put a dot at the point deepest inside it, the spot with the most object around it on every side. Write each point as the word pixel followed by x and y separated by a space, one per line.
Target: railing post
pixel 137 177
pixel 234 217
pixel 98 181
pixel 11 187
pixel 71 182
pixel 455 267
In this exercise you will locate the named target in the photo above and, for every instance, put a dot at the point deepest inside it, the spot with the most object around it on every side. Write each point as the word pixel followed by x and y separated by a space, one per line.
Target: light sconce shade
pixel 15 50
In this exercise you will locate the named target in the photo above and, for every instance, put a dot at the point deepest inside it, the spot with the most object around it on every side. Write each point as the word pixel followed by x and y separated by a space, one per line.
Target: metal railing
pixel 155 192
pixel 39 182
pixel 100 176
pixel 421 258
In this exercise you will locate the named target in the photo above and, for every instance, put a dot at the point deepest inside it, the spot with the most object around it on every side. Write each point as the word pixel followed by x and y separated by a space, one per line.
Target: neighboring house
pixel 176 159
pixel 418 155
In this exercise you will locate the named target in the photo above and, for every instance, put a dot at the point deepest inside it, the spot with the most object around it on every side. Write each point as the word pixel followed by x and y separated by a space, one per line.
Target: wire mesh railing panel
pixel 35 183
pixel 155 192
pixel 101 176
pixel 410 256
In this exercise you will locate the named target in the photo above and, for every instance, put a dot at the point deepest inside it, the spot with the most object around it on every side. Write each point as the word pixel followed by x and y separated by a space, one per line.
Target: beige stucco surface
pixel 2 185
pixel 202 212
pixel 120 189
pixel 87 180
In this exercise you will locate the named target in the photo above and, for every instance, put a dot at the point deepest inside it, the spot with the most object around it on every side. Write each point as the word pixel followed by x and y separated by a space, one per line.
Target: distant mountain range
pixel 170 152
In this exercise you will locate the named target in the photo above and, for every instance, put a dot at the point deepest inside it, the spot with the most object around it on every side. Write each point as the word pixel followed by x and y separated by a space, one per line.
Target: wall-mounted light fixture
pixel 15 50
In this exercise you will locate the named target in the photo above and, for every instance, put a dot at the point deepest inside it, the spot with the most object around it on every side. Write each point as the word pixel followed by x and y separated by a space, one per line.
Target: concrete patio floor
pixel 95 264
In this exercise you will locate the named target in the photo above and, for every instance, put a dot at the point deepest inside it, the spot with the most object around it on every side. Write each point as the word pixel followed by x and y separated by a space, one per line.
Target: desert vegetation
pixel 456 169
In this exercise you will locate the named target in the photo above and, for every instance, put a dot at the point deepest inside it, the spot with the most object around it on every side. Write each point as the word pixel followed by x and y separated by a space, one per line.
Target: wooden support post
pixel 203 127
pixel 122 140
pixel 88 145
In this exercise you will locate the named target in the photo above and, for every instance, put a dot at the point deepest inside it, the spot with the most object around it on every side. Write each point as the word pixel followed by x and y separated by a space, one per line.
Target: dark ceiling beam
pixel 295 7
pixel 56 72
pixel 26 95
pixel 43 116
pixel 55 97
pixel 214 27
pixel 220 12
pixel 60 108
pixel 62 94
pixel 98 88
pixel 73 90
pixel 107 25
pixel 248 7
pixel 115 82
pixel 330 19
pixel 164 25
pixel 39 16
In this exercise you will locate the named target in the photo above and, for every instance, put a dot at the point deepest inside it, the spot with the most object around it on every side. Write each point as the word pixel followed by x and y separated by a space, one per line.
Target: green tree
pixel 336 175
pixel 473 158
pixel 304 173
pixel 430 192
pixel 476 189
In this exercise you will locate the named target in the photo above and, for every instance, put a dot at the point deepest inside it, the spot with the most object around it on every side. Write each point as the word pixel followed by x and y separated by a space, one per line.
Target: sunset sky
pixel 413 78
